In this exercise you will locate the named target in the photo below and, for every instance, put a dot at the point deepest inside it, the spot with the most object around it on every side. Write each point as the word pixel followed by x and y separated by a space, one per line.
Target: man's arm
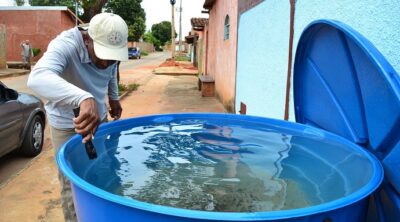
pixel 45 79
pixel 115 105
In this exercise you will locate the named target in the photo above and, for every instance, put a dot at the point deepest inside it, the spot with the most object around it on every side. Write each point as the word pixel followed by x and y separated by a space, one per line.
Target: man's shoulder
pixel 67 35
pixel 66 39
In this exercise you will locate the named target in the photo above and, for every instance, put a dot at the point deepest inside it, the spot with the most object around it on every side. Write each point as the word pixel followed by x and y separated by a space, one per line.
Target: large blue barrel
pixel 359 172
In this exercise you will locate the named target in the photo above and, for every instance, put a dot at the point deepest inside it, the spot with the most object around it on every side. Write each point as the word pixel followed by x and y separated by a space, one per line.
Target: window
pixel 226 28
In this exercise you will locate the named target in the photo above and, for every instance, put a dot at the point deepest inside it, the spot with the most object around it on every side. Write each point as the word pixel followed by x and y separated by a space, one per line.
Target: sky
pixel 7 2
pixel 160 10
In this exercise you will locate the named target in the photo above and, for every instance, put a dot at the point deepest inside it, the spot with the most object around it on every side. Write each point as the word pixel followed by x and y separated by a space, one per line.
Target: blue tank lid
pixel 344 85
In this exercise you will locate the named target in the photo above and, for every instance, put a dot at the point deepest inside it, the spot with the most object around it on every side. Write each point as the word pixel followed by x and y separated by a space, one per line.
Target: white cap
pixel 110 36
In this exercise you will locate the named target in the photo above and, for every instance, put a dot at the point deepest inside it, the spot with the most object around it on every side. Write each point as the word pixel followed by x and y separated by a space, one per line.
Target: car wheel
pixel 33 140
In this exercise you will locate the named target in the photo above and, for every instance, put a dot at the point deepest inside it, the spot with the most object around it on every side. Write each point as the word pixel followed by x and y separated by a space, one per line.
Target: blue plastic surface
pixel 94 204
pixel 344 85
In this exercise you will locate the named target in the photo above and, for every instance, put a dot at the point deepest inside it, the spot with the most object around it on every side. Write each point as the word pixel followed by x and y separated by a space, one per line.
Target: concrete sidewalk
pixel 171 67
pixel 12 72
pixel 174 71
pixel 34 194
pixel 15 68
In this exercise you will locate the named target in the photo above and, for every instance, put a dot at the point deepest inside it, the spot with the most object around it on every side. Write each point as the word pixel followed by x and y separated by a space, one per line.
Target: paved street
pixel 30 191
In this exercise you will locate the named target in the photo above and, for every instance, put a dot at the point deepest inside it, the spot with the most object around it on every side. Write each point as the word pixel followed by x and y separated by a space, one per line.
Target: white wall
pixel 264 36
pixel 263 44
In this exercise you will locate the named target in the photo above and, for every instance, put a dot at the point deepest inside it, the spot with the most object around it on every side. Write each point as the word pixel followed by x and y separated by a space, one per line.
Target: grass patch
pixel 182 58
pixel 122 88
pixel 144 53
pixel 36 51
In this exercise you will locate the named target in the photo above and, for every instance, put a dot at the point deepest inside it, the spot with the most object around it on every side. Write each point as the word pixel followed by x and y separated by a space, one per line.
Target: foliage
pixel 136 30
pixel 182 58
pixel 162 31
pixel 19 2
pixel 133 14
pixel 149 37
pixel 36 51
pixel 89 7
pixel 122 88
pixel 130 10
pixel 69 3
pixel 143 53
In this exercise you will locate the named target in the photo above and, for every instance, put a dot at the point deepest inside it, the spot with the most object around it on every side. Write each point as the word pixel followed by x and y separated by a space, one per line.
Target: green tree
pixel 162 31
pixel 133 14
pixel 19 2
pixel 148 37
pixel 136 30
pixel 89 7
pixel 69 3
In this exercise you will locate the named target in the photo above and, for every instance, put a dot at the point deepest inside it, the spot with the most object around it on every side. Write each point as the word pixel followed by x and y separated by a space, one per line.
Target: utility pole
pixel 180 27
pixel 173 29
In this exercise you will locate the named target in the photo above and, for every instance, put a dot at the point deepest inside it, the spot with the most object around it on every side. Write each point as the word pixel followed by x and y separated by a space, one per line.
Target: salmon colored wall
pixel 200 51
pixel 221 61
pixel 37 26
pixel 143 46
pixel 205 50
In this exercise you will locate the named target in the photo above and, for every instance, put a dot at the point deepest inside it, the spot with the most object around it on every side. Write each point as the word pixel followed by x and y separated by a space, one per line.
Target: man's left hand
pixel 115 109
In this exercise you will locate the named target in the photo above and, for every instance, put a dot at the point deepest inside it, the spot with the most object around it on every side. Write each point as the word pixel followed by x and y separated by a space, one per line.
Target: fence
pixel 144 46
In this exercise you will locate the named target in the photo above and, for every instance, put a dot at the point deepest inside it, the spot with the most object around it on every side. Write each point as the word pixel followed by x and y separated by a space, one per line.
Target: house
pixel 196 39
pixel 220 49
pixel 249 53
pixel 37 24
pixel 265 58
pixel 220 46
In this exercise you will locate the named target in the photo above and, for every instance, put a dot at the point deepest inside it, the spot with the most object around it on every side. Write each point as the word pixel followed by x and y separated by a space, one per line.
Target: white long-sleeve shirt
pixel 65 76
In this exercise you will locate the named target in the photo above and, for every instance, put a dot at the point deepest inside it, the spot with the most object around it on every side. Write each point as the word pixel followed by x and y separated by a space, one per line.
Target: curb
pixel 174 73
pixel 13 74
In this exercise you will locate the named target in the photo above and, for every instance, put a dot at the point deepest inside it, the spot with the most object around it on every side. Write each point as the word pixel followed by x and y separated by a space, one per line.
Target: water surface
pixel 226 166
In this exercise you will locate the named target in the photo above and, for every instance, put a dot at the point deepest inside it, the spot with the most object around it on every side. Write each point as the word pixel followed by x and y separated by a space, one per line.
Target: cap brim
pixel 119 54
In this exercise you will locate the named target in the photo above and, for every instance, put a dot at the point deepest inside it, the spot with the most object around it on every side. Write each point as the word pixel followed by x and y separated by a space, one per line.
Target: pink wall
pixel 204 36
pixel 221 56
pixel 37 26
pixel 200 50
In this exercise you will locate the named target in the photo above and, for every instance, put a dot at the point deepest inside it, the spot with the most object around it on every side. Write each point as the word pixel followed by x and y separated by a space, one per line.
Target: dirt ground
pixel 34 194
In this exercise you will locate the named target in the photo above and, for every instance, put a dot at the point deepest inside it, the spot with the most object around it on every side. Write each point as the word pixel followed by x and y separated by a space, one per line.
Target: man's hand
pixel 88 120
pixel 115 109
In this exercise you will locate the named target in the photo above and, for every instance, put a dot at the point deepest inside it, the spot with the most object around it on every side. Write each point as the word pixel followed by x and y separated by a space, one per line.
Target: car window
pixel 2 93
pixel 9 94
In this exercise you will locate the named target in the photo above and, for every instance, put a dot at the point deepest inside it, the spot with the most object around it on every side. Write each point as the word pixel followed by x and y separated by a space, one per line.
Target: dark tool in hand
pixel 90 150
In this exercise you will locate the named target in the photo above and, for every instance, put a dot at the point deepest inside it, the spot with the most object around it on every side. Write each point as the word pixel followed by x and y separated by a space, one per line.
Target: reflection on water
pixel 212 167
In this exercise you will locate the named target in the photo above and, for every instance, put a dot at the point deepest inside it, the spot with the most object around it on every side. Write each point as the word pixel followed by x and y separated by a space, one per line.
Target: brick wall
pixel 3 62
pixel 37 26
